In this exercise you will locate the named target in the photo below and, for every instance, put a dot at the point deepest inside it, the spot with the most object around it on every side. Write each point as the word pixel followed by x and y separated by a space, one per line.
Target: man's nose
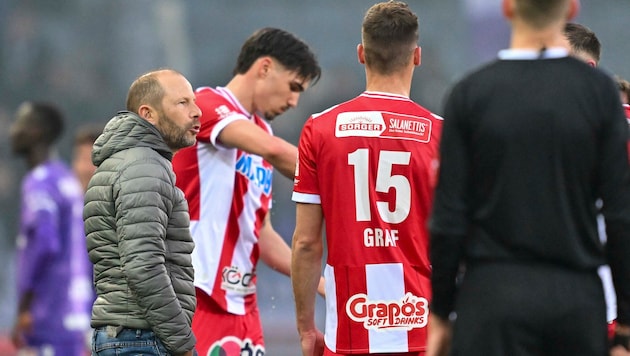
pixel 293 101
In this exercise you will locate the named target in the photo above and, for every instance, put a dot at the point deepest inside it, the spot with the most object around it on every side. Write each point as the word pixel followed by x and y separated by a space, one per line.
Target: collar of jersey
pixel 382 93
pixel 227 93
pixel 532 54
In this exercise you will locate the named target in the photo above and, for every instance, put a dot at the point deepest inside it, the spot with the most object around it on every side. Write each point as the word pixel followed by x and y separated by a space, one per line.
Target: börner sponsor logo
pixel 361 126
pixel 364 123
pixel 407 313
pixel 384 125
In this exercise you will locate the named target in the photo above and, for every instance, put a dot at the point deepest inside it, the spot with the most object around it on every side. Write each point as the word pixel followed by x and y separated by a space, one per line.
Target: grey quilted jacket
pixel 138 237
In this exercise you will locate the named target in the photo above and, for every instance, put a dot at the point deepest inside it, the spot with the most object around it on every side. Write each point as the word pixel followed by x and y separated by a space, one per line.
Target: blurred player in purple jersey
pixel 54 291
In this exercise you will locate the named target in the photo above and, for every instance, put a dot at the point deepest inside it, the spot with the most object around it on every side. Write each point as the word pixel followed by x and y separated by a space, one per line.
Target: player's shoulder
pixel 208 95
pixel 214 103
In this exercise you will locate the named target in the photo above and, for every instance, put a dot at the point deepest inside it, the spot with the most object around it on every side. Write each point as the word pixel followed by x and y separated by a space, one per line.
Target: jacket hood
pixel 127 130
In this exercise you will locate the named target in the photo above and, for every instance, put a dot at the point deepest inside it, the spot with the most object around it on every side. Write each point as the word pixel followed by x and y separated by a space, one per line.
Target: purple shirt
pixel 52 255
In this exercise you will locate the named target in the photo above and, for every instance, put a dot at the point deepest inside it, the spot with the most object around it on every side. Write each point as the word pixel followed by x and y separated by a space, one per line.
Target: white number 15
pixel 384 181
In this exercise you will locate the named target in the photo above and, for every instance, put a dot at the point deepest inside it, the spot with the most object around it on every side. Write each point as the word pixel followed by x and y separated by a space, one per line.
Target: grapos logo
pixel 233 346
pixel 408 313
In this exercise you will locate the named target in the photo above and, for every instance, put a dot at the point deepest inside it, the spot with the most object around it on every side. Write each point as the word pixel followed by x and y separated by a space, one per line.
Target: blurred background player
pixel 583 43
pixel 624 90
pixel 227 179
pixel 82 164
pixel 54 274
pixel 382 150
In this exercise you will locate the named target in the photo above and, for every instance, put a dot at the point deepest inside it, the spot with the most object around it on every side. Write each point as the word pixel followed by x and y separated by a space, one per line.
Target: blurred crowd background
pixel 82 55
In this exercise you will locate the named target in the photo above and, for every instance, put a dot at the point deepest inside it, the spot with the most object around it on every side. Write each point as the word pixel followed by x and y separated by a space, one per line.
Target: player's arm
pixel 249 137
pixel 276 253
pixel 42 243
pixel 306 262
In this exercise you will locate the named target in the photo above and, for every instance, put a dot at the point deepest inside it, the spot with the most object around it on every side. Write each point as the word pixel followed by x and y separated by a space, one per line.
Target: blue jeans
pixel 126 342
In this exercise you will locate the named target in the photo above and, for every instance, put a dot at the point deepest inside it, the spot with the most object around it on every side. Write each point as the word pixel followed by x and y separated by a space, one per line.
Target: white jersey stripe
pixel 241 257
pixel 213 222
pixel 375 274
pixel 330 338
pixel 306 198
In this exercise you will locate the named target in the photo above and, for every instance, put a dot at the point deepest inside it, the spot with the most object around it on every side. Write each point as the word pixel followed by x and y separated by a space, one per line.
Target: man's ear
pixel 507 6
pixel 574 9
pixel 360 53
pixel 262 66
pixel 417 56
pixel 146 112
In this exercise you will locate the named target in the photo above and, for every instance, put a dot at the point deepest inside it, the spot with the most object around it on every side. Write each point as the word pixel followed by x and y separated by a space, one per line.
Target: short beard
pixel 175 137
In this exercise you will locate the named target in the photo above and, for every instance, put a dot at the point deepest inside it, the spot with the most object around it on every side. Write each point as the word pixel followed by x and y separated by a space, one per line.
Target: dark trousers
pixel 526 310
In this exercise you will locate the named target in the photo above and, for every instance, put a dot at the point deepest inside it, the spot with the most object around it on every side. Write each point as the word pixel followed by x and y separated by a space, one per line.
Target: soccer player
pixel 227 179
pixel 82 164
pixel 366 167
pixel 521 169
pixel 54 273
pixel 584 44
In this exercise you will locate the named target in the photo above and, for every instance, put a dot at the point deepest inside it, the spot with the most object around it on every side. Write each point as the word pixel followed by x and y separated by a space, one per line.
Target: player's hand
pixel 439 336
pixel 23 325
pixel 312 342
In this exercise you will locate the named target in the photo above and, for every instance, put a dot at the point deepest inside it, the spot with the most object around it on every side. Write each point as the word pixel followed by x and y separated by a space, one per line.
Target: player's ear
pixel 360 53
pixel 574 9
pixel 263 66
pixel 508 9
pixel 417 56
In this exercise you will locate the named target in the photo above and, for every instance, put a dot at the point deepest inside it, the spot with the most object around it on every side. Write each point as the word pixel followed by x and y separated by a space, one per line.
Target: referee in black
pixel 530 142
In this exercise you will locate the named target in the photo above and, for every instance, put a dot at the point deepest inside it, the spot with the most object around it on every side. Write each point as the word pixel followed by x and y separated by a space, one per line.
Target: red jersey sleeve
pixel 305 185
pixel 216 113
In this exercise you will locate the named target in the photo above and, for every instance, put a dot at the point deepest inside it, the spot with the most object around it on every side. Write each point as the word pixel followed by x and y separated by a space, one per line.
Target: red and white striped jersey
pixel 371 163
pixel 229 195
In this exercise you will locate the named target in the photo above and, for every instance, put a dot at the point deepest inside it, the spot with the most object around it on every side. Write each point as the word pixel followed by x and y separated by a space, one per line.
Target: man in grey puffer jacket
pixel 137 223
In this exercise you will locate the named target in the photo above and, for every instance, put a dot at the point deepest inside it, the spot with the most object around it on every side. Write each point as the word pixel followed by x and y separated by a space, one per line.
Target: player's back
pixel 371 163
pixel 376 160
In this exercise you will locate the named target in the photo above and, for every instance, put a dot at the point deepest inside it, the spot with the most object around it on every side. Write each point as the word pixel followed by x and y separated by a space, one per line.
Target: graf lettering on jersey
pixel 255 172
pixel 375 237
pixel 408 313
pixel 360 123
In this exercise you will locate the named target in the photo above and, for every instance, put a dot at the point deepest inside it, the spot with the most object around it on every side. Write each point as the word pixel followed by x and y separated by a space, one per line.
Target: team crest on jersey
pixel 234 346
pixel 383 124
pixel 251 167
pixel 222 111
pixel 408 313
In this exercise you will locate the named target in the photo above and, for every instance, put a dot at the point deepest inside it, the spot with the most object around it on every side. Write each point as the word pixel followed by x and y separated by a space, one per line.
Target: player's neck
pixel 526 37
pixel 393 84
pixel 241 88
pixel 39 155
